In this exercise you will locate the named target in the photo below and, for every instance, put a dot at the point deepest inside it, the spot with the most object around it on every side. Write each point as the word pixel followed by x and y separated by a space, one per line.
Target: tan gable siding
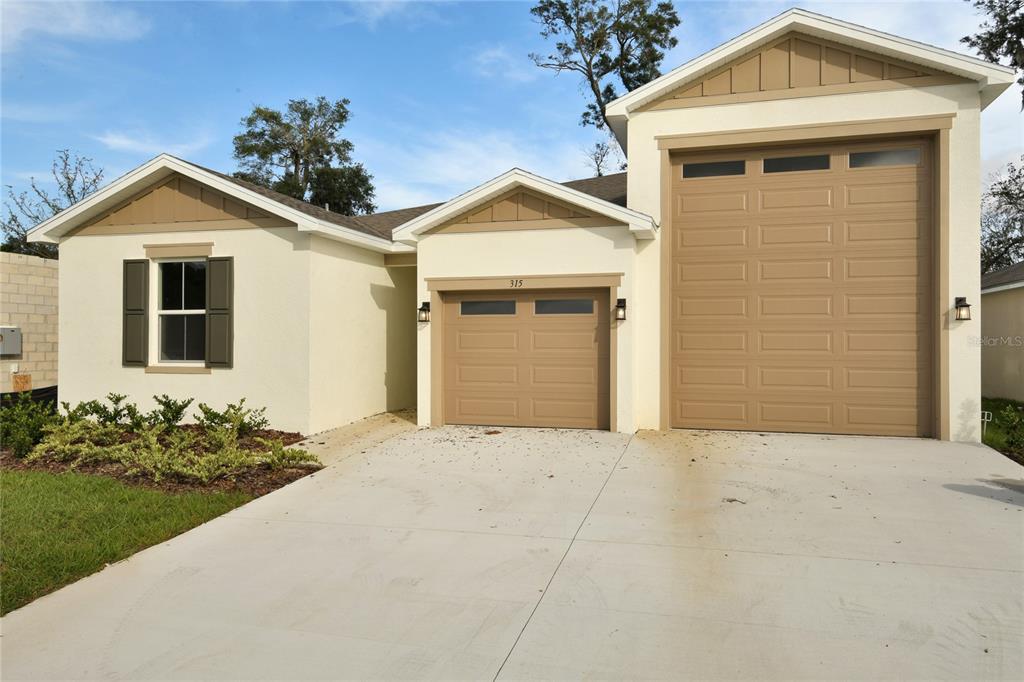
pixel 179 203
pixel 523 210
pixel 797 65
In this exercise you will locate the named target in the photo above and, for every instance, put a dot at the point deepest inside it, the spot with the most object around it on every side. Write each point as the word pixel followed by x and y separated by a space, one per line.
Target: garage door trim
pixel 932 128
pixel 440 286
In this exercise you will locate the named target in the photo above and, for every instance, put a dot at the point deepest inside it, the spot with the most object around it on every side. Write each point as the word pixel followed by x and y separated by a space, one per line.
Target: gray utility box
pixel 10 340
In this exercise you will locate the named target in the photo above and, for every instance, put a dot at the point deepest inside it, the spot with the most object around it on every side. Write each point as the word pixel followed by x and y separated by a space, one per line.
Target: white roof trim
pixel 641 225
pixel 992 78
pixel 162 166
pixel 1003 287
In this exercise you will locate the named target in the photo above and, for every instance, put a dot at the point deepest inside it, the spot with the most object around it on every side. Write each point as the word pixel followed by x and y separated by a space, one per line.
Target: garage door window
pixel 788 164
pixel 564 306
pixel 713 169
pixel 885 157
pixel 488 308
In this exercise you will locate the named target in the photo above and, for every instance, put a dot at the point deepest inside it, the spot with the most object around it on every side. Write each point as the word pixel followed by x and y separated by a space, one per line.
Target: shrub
pixel 23 422
pixel 119 413
pixel 237 416
pixel 1013 423
pixel 169 412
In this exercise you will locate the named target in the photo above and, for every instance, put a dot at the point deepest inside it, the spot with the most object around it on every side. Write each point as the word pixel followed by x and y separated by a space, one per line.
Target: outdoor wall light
pixel 423 312
pixel 963 308
pixel 620 309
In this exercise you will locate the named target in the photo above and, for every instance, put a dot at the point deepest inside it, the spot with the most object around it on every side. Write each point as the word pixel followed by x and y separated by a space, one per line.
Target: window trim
pixel 156 295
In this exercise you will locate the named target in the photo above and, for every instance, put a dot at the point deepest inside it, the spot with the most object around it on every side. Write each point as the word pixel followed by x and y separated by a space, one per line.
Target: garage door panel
pixel 796 199
pixel 561 341
pixel 789 235
pixel 810 309
pixel 484 341
pixel 712 203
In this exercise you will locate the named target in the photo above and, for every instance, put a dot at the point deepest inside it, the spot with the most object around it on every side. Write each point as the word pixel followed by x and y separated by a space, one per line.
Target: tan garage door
pixel 801 289
pixel 527 358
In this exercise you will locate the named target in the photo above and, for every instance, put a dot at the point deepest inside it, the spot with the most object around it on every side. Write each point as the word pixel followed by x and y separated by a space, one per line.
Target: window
pixel 488 307
pixel 885 157
pixel 787 164
pixel 712 169
pixel 564 306
pixel 182 297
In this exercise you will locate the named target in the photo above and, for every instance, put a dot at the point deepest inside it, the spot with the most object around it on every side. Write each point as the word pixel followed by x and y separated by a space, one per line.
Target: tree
pixel 603 40
pixel 348 190
pixel 75 178
pixel 286 151
pixel 1002 220
pixel 604 156
pixel 1001 35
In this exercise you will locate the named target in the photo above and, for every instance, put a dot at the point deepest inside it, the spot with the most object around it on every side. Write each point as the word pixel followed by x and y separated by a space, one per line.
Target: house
pixel 1002 333
pixel 28 324
pixel 799 216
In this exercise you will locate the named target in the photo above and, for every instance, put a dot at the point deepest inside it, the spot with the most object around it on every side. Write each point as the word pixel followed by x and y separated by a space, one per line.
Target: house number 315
pixel 515 283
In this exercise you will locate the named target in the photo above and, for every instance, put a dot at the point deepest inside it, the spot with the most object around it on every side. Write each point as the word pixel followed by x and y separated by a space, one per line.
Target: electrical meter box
pixel 10 340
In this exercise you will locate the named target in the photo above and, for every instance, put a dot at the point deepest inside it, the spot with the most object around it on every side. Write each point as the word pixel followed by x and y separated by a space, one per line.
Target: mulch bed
pixel 256 482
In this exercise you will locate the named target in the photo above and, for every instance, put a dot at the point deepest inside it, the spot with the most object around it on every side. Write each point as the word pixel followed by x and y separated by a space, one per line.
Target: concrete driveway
pixel 462 553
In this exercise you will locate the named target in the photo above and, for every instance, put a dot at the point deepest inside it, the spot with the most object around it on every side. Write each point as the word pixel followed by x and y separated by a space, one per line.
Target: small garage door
pixel 801 289
pixel 527 358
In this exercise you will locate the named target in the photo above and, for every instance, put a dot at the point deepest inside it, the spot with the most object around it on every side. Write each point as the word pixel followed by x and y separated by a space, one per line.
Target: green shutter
pixel 219 295
pixel 135 314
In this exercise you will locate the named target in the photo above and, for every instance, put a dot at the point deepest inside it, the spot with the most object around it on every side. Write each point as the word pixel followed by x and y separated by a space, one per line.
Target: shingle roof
pixel 611 188
pixel 1010 275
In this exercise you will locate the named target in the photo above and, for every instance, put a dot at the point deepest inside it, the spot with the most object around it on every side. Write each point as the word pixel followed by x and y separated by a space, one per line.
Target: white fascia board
pixel 1003 287
pixel 641 225
pixel 162 166
pixel 992 78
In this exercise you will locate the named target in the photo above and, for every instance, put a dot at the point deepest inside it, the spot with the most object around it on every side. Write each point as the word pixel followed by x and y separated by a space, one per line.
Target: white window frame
pixel 157 294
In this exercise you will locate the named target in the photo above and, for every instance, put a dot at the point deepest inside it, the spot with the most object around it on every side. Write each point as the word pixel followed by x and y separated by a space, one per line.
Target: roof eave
pixel 53 229
pixel 992 78
pixel 640 225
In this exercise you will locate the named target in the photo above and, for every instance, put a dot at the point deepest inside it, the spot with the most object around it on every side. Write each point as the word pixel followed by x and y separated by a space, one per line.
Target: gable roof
pixel 371 231
pixel 1007 278
pixel 307 218
pixel 992 79
pixel 599 195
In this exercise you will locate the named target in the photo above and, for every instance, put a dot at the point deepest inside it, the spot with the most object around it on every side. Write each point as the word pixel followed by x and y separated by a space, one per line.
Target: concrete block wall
pixel 28 299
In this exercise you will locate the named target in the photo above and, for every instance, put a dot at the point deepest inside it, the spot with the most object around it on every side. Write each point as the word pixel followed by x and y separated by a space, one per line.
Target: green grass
pixel 57 528
pixel 995 433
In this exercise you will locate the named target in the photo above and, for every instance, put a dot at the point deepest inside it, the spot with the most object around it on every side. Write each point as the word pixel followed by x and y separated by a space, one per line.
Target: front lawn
pixel 59 527
pixel 996 433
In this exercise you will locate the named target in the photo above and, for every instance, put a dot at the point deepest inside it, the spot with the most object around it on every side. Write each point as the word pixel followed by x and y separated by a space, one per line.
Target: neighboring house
pixel 28 315
pixel 1002 333
pixel 799 215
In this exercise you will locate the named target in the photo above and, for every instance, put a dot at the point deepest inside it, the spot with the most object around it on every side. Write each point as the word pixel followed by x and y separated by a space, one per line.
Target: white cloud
pixel 76 20
pixel 39 113
pixel 371 13
pixel 448 163
pixel 143 143
pixel 498 62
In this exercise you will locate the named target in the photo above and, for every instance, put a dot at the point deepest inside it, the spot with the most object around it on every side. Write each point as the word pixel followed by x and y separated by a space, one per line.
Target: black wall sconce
pixel 423 312
pixel 620 309
pixel 963 308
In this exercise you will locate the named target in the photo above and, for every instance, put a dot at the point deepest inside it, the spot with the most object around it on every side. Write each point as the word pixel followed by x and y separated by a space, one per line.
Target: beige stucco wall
pixel 644 188
pixel 521 253
pixel 28 299
pixel 271 323
pixel 1002 344
pixel 362 334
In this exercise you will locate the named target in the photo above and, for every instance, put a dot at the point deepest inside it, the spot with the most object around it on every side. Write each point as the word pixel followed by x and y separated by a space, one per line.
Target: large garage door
pixel 801 287
pixel 527 358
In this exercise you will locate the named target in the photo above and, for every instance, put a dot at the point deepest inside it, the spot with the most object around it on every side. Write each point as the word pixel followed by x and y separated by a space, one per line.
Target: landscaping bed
pixel 1005 432
pixel 91 484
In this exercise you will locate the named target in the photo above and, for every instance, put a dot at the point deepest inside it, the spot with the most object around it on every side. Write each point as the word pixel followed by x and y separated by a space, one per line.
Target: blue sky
pixel 443 94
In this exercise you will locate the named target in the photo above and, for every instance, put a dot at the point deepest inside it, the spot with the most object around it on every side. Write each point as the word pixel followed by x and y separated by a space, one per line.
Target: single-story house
pixel 1002 333
pixel 800 214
